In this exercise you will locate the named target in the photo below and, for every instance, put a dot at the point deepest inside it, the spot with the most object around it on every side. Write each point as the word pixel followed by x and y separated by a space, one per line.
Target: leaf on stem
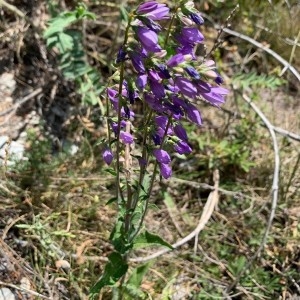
pixel 147 239
pixel 114 270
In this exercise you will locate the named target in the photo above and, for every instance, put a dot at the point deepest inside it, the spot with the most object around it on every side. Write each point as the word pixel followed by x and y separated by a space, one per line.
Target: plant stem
pixel 119 191
pixel 152 182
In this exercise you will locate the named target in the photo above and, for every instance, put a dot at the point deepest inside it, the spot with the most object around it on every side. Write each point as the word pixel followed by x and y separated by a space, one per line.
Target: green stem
pixel 144 157
pixel 169 28
pixel 152 182
pixel 119 191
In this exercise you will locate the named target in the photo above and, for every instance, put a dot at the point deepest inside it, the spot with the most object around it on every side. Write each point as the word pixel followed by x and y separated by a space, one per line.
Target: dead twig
pixel 286 64
pixel 200 185
pixel 11 110
pixel 278 130
pixel 24 290
pixel 205 216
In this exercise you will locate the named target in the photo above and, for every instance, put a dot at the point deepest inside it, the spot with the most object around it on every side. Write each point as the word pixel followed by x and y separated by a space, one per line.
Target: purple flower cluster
pixel 168 84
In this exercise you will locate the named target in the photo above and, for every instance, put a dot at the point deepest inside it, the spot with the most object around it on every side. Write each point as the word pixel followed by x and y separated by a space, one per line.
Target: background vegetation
pixel 54 221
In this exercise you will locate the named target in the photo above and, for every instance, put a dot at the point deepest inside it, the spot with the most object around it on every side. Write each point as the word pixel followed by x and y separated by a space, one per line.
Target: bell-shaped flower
pixel 196 18
pixel 153 10
pixel 186 87
pixel 192 72
pixel 216 95
pixel 154 103
pixel 148 39
pixel 112 96
pixel 162 156
pixel 137 60
pixel 202 87
pixel 165 170
pixel 126 137
pixel 182 147
pixel 180 132
pixel 178 102
pixel 190 36
pixel 156 139
pixel 193 113
pixel 121 55
pixel 162 121
pixel 163 72
pixel 156 86
pixel 114 126
pixel 175 60
pixel 141 81
pixel 107 156
pixel 150 23
pixel 174 110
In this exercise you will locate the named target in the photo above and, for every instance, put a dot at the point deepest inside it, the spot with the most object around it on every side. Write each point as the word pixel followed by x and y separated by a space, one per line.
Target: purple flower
pixel 162 156
pixel 202 87
pixel 148 38
pixel 156 139
pixel 175 60
pixel 163 71
pixel 141 81
pixel 161 121
pixel 127 113
pixel 114 126
pixel 112 95
pixel 193 113
pixel 179 102
pixel 137 61
pixel 154 103
pixel 126 137
pixel 165 171
pixel 190 36
pixel 186 49
pixel 153 10
pixel 182 147
pixel 150 23
pixel 157 89
pixel 186 87
pixel 121 55
pixel 196 18
pixel 216 95
pixel 154 81
pixel 192 72
pixel 174 110
pixel 161 131
pixel 146 7
pixel 107 156
pixel 180 132
pixel 219 79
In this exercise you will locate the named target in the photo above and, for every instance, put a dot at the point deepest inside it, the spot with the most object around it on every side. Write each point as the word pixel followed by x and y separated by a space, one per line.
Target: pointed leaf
pixel 137 275
pixel 113 271
pixel 147 239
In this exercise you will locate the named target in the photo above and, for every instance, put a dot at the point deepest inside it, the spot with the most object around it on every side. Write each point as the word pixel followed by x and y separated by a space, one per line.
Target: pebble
pixel 6 294
pixel 15 150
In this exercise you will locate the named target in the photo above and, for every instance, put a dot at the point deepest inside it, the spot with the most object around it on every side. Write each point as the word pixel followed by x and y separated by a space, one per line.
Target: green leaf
pixel 147 239
pixel 113 271
pixel 124 13
pixel 111 200
pixel 137 275
pixel 118 239
pixel 66 41
pixel 133 292
pixel 59 23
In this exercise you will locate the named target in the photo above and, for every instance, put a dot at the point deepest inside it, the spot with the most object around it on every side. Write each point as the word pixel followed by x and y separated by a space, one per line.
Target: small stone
pixel 6 294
